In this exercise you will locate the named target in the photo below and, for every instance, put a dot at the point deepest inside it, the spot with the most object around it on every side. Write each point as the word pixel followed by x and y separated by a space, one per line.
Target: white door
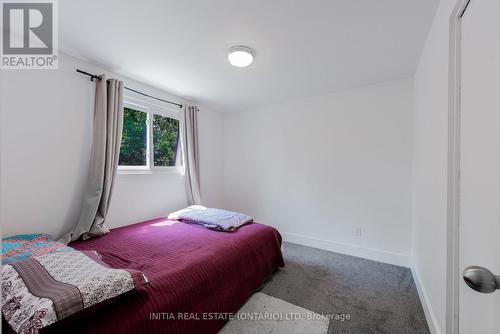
pixel 480 167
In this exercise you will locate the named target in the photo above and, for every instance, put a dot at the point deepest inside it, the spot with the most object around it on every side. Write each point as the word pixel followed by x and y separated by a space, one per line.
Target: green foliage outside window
pixel 165 140
pixel 134 138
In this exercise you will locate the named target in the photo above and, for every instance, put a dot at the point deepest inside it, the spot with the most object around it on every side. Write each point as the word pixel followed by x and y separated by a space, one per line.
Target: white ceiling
pixel 303 47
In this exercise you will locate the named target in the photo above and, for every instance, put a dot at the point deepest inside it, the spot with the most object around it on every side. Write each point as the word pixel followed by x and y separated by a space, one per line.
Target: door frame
pixel 453 272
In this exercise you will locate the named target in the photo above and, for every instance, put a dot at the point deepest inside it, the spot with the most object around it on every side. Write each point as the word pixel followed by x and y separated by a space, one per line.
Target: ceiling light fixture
pixel 240 56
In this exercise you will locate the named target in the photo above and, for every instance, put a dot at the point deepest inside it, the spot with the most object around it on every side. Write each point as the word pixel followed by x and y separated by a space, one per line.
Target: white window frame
pixel 151 108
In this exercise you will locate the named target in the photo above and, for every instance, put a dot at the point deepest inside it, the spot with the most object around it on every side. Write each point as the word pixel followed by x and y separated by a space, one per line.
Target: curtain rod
pixel 97 77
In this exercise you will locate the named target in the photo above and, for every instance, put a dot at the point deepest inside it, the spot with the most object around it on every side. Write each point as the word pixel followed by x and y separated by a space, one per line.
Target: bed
pixel 195 274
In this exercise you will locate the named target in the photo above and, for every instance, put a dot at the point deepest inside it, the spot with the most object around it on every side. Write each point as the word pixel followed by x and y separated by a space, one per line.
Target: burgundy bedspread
pixel 194 273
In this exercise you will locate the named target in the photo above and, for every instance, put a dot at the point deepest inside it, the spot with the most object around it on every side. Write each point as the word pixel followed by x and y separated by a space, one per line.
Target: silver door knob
pixel 481 279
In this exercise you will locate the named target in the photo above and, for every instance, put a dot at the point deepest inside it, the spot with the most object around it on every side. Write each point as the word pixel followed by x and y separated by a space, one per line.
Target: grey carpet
pixel 379 297
pixel 276 322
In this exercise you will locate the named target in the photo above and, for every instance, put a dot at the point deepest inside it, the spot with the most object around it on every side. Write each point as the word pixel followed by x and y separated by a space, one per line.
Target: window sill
pixel 134 172
pixel 172 170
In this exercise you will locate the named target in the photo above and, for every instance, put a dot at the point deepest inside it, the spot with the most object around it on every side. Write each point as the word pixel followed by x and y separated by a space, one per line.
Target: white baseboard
pixel 430 316
pixel 348 249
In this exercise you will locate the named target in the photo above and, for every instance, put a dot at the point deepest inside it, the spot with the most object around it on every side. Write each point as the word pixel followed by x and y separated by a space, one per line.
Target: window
pixel 133 151
pixel 165 140
pixel 150 138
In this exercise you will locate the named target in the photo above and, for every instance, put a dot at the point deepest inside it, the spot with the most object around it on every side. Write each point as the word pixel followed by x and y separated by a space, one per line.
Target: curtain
pixel 106 141
pixel 192 160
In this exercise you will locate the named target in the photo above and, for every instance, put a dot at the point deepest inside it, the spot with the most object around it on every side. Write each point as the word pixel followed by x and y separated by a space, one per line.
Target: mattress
pixel 197 276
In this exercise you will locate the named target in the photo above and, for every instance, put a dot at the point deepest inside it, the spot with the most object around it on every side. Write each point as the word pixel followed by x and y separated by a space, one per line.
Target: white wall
pixel 46 122
pixel 321 167
pixel 211 156
pixel 430 169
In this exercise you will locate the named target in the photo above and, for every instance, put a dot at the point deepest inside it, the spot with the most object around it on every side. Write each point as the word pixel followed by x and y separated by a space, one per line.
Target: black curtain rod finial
pixel 94 76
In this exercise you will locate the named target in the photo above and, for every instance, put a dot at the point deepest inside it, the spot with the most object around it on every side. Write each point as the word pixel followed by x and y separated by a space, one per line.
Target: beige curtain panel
pixel 106 140
pixel 191 151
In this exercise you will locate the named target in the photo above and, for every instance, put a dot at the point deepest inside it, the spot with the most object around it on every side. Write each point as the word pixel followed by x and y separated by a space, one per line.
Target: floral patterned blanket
pixel 41 290
pixel 21 247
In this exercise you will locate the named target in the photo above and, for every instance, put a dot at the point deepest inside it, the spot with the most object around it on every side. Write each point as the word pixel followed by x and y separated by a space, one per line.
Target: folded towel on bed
pixel 215 219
